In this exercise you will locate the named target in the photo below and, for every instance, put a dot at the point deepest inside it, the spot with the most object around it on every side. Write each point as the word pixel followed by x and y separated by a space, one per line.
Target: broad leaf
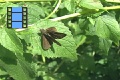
pixel 35 12
pixel 68 48
pixel 70 5
pixel 91 4
pixel 10 40
pixel 15 65
pixel 105 44
pixel 108 27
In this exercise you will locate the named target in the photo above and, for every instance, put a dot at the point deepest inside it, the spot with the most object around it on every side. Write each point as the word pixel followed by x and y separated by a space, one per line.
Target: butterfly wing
pixel 49 35
pixel 51 29
pixel 57 35
pixel 52 32
pixel 53 40
pixel 45 43
pixel 48 41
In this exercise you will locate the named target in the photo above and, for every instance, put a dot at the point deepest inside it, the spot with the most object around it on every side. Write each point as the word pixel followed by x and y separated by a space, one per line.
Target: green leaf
pixel 70 5
pixel 15 65
pixel 108 28
pixel 11 56
pixel 3 7
pixel 91 4
pixel 3 72
pixel 79 39
pixel 87 62
pixel 35 12
pixel 115 1
pixel 105 44
pixel 68 48
pixel 10 40
pixel 5 53
pixel 35 42
pixel 15 69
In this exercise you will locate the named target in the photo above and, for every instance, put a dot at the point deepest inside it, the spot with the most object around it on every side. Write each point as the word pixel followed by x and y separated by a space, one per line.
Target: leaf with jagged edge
pixel 108 28
pixel 11 59
pixel 68 48
pixel 91 4
pixel 10 40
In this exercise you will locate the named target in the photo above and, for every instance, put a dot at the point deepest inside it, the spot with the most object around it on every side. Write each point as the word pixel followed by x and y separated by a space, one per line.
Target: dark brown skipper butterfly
pixel 49 35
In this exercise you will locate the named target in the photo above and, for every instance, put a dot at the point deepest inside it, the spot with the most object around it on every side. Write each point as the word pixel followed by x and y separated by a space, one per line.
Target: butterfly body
pixel 49 35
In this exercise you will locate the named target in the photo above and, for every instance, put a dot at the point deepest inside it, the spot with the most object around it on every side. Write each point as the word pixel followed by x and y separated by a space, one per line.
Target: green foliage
pixel 90 51
pixel 91 4
pixel 68 48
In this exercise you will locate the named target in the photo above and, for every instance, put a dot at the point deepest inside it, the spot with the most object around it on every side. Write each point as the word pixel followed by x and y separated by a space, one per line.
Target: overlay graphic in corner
pixel 17 17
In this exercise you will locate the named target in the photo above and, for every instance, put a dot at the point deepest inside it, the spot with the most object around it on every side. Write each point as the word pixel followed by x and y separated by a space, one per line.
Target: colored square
pixel 9 21
pixel 16 16
pixel 9 17
pixel 24 26
pixel 9 13
pixel 9 8
pixel 16 9
pixel 24 13
pixel 16 24
pixel 24 21
pixel 24 17
pixel 9 26
pixel 24 9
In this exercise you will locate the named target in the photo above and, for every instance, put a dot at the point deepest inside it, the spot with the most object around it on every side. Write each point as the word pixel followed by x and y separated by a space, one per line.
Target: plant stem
pixel 58 66
pixel 54 9
pixel 43 58
pixel 66 16
pixel 113 7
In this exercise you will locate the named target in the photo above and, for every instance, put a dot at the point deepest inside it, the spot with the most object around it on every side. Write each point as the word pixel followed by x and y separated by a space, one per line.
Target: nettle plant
pixel 65 40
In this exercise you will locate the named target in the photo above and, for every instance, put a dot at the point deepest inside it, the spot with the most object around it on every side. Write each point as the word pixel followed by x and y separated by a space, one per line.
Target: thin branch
pixel 57 19
pixel 54 9
pixel 65 17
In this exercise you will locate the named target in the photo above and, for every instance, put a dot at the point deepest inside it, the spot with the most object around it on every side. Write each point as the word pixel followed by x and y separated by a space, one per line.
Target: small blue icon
pixel 17 17
pixel 17 9
pixel 16 24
